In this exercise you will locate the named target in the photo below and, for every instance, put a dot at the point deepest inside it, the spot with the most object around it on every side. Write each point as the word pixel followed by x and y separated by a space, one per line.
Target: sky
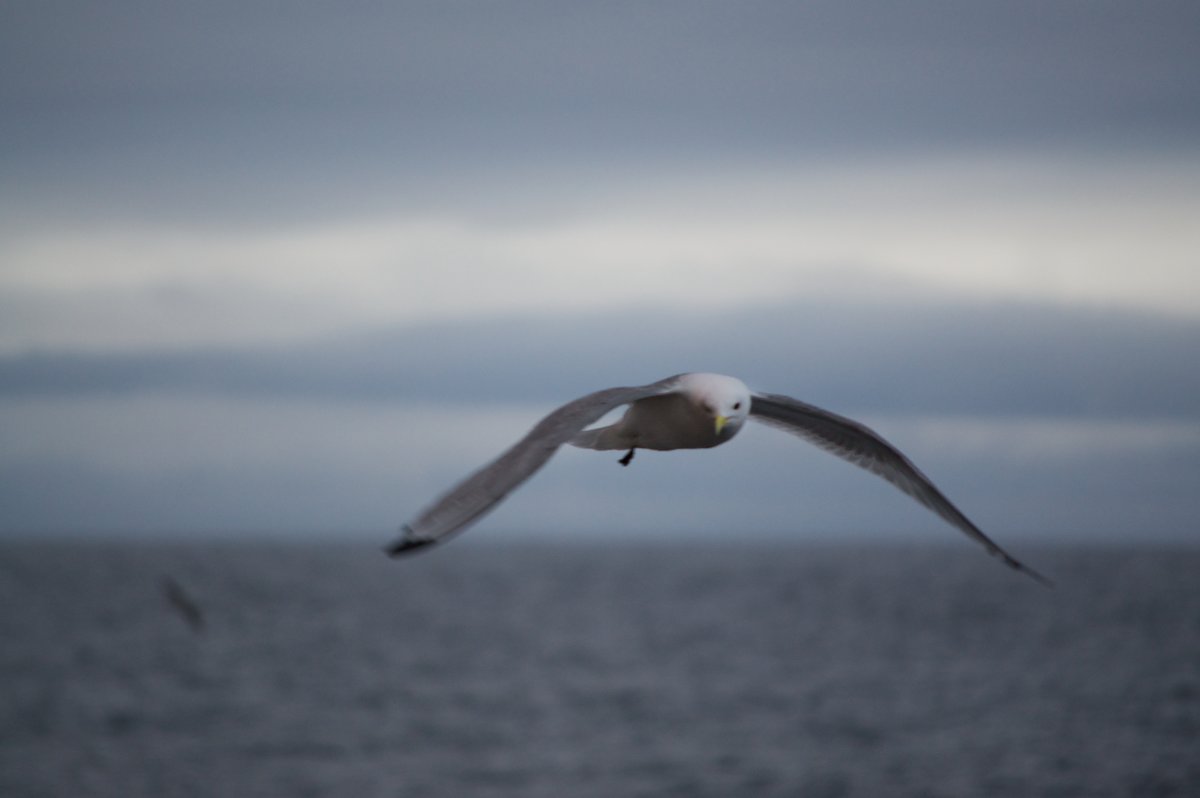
pixel 297 273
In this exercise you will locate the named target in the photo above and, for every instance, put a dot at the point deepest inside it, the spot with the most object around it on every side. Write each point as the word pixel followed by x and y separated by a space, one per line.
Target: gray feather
pixel 862 446
pixel 480 492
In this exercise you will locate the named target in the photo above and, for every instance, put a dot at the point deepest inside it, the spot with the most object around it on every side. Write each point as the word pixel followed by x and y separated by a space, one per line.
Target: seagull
pixel 183 604
pixel 686 411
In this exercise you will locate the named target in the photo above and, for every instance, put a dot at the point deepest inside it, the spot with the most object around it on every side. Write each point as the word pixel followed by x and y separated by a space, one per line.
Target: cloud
pixel 232 112
pixel 1113 235
pixel 998 64
pixel 1004 358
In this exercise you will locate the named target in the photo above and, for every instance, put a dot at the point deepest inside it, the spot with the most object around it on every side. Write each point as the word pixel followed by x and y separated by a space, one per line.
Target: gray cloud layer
pixel 240 108
pixel 1006 66
pixel 997 358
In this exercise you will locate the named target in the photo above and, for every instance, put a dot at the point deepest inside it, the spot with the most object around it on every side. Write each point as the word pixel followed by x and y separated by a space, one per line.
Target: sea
pixel 596 669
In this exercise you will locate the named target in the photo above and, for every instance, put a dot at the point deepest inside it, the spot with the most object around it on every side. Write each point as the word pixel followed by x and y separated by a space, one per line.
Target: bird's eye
pixel 737 405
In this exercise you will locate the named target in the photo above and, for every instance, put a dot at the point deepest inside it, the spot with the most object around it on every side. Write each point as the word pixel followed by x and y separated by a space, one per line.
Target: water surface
pixel 553 670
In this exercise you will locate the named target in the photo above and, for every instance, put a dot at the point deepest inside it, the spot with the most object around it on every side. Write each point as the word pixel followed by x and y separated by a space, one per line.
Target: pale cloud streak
pixel 1119 238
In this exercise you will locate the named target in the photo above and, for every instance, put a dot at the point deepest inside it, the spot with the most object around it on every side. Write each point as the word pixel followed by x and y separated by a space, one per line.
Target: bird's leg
pixel 627 458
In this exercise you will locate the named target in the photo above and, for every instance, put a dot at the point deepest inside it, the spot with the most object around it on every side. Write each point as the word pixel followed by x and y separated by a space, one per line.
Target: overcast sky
pixel 298 272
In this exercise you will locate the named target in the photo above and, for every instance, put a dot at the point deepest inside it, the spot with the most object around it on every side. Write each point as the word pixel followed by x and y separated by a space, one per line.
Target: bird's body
pixel 677 420
pixel 183 604
pixel 687 411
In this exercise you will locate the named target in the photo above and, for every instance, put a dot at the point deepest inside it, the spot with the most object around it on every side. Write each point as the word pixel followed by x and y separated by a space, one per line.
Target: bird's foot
pixel 627 458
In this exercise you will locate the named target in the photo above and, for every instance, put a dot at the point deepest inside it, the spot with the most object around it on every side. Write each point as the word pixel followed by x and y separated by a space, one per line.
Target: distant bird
pixel 183 604
pixel 687 411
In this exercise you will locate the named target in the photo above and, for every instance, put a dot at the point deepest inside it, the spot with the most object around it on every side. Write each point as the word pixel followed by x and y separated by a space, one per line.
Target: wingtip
pixel 408 543
pixel 1017 565
pixel 1044 581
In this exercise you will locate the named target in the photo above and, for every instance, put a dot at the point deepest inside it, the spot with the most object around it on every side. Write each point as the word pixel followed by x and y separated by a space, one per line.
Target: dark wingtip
pixel 408 543
pixel 182 603
pixel 1025 569
pixel 1044 581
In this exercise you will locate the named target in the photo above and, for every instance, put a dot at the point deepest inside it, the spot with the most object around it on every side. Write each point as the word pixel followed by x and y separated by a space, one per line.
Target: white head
pixel 726 400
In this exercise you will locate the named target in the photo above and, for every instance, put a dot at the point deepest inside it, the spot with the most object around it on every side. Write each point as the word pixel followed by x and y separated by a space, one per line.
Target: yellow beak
pixel 720 423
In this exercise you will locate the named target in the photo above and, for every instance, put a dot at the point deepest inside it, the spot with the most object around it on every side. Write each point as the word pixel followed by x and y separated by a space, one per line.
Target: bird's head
pixel 726 400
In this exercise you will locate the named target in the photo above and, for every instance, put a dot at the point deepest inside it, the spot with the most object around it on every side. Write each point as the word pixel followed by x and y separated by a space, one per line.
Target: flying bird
pixel 686 411
pixel 183 604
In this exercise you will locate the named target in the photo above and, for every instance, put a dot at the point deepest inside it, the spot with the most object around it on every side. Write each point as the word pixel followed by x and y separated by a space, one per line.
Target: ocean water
pixel 590 669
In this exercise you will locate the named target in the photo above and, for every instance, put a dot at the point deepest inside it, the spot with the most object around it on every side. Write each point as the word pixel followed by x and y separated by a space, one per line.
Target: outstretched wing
pixel 483 490
pixel 862 446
